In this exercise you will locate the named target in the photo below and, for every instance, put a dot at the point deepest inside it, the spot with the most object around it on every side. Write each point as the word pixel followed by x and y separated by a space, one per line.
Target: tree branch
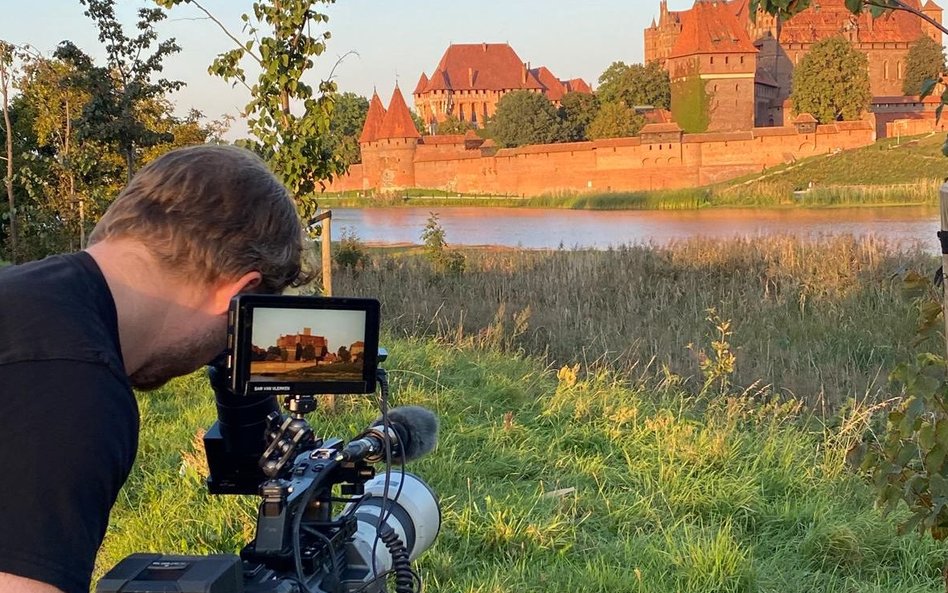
pixel 227 32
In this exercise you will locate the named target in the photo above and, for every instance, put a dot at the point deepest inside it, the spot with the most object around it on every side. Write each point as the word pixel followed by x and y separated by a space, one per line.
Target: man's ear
pixel 228 289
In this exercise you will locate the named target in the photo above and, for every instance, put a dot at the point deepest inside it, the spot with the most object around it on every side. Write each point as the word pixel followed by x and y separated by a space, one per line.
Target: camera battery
pixel 157 573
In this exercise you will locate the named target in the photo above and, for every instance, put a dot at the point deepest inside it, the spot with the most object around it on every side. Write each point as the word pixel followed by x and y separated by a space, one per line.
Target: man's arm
pixel 10 583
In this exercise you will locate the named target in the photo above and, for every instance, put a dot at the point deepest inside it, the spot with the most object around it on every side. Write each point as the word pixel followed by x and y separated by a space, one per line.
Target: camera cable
pixel 297 525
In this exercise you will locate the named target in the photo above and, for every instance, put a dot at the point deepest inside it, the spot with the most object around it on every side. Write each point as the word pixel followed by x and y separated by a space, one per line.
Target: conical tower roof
pixel 373 120
pixel 398 122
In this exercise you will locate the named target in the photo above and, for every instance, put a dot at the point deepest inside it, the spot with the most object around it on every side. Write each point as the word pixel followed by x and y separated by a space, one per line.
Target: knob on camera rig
pixel 301 545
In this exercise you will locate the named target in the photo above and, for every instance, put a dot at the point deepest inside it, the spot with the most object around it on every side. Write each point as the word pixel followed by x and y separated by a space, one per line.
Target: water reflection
pixel 552 228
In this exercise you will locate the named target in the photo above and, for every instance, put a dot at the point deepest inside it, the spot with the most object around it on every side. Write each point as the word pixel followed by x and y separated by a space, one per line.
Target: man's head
pixel 201 224
pixel 210 212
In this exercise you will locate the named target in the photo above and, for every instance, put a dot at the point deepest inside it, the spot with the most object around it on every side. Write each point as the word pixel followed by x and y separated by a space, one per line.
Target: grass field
pixel 550 482
pixel 585 447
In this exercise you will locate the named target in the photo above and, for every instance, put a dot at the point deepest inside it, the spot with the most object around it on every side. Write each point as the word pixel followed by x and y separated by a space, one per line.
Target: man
pixel 146 302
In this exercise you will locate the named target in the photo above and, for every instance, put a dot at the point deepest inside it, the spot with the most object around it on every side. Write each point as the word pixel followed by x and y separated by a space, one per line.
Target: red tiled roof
pixel 741 9
pixel 422 83
pixel 833 18
pixel 659 116
pixel 398 122
pixel 555 89
pixel 711 27
pixel 660 128
pixel 373 120
pixel 578 85
pixel 492 66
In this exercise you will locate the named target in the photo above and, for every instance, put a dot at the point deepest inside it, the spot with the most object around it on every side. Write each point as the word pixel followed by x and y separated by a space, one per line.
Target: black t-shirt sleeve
pixel 70 432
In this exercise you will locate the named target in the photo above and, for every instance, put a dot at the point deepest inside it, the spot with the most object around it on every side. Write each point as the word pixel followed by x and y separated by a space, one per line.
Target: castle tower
pixel 713 67
pixel 933 11
pixel 368 143
pixel 396 142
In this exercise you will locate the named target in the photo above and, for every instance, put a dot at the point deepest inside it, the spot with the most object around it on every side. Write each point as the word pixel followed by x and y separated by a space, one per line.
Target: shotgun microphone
pixel 412 433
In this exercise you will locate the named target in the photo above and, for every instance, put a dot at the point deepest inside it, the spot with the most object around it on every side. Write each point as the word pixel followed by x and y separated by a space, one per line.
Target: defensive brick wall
pixel 652 161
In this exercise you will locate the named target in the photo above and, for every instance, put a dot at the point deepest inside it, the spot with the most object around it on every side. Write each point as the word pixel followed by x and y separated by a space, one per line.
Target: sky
pixel 392 40
pixel 340 328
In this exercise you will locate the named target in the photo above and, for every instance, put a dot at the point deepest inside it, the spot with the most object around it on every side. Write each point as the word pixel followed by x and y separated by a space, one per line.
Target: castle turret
pixel 397 141
pixel 368 143
pixel 934 12
pixel 373 120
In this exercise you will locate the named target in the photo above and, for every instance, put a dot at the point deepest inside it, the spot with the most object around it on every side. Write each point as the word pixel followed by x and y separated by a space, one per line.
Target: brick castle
pixel 471 78
pixel 747 64
pixel 746 68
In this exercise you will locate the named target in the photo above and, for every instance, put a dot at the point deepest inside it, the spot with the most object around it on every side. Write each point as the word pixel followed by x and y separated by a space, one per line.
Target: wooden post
pixel 944 259
pixel 325 245
pixel 328 401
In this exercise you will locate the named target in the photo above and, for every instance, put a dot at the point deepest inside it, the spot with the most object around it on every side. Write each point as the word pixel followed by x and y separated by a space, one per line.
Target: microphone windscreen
pixel 420 429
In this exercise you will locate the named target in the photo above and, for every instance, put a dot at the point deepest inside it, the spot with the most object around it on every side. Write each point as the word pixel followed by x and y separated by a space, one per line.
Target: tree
pixel 615 120
pixel 577 111
pixel 925 61
pixel 419 122
pixel 691 105
pixel 281 44
pixel 348 118
pixel 7 57
pixel 343 354
pixel 636 85
pixel 831 82
pixel 453 125
pixel 65 166
pixel 525 117
pixel 125 83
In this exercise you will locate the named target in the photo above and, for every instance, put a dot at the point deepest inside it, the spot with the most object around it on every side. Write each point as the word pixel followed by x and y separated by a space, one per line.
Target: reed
pixel 822 321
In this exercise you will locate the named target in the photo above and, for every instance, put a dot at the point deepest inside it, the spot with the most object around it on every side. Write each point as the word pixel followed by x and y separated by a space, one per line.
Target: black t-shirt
pixel 68 419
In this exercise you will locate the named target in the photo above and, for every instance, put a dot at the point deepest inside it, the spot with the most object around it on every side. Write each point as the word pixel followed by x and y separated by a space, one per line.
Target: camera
pixel 288 350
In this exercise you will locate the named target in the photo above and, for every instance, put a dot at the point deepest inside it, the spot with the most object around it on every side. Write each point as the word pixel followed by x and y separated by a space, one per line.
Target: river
pixel 530 228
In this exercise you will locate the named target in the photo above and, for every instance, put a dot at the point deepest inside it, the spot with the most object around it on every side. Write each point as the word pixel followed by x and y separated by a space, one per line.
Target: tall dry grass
pixel 821 321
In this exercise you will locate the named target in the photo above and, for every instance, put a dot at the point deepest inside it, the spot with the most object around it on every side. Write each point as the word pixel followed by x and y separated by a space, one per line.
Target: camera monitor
pixel 303 345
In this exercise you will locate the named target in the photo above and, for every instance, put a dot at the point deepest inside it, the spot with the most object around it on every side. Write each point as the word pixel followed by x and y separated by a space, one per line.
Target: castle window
pixel 901 73
pixel 727 59
pixel 885 70
pixel 742 59
pixel 712 59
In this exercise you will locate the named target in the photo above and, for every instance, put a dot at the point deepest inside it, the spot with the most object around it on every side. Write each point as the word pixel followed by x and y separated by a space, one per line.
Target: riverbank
pixel 891 172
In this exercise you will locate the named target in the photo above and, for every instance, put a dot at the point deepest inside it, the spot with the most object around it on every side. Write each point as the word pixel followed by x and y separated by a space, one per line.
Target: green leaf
pixel 926 437
pixel 935 459
pixel 928 87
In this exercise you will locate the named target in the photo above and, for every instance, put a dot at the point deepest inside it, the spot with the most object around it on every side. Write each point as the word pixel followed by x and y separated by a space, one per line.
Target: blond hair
pixel 210 212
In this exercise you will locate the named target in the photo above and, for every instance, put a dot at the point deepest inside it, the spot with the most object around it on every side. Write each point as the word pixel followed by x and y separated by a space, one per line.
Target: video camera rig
pixel 300 546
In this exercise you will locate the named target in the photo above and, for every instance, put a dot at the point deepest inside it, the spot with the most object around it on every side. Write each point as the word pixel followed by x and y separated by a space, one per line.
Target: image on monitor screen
pixel 307 346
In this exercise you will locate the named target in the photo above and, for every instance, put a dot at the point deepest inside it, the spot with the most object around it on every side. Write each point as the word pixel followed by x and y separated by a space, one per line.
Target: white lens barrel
pixel 415 516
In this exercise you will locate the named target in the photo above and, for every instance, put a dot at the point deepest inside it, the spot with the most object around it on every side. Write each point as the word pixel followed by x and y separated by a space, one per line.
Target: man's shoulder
pixel 56 308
